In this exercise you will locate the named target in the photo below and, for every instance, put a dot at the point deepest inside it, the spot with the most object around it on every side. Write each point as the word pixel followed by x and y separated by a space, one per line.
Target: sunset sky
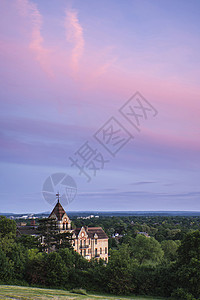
pixel 66 68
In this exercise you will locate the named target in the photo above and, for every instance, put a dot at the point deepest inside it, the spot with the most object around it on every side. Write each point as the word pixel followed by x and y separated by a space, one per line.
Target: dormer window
pixel 96 237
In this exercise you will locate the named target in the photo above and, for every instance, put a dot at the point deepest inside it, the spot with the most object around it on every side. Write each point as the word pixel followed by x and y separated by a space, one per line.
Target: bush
pixel 181 294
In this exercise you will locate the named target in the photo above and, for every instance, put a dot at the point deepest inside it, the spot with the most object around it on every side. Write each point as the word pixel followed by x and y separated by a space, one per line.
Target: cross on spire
pixel 57 195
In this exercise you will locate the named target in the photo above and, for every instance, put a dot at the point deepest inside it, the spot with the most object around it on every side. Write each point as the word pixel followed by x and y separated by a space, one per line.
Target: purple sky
pixel 66 67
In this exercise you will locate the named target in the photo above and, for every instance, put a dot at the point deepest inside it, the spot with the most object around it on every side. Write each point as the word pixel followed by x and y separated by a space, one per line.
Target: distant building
pixel 143 233
pixel 32 222
pixel 22 224
pixel 90 242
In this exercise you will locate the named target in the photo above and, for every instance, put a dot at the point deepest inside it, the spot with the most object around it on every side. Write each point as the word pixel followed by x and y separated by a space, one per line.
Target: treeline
pixel 137 265
pixel 160 227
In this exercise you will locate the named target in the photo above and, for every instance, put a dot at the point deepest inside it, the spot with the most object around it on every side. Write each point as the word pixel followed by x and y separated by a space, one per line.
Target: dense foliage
pixel 162 260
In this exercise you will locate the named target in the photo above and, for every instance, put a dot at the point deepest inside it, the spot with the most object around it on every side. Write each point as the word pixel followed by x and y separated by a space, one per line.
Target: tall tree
pixel 7 227
pixel 170 249
pixel 119 271
pixel 188 264
pixel 6 267
pixel 28 241
pixel 52 238
pixel 145 249
pixel 47 229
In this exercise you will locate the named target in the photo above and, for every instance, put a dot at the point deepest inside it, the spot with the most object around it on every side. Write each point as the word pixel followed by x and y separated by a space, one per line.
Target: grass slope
pixel 29 293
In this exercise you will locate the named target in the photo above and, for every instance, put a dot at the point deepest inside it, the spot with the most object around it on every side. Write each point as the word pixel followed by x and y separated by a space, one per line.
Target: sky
pixel 105 94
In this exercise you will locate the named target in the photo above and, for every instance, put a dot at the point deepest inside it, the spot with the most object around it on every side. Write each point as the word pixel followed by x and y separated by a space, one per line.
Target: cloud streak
pixel 74 35
pixel 29 9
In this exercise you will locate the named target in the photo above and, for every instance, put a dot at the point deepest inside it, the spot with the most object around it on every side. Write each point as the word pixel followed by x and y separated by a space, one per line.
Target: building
pixel 143 233
pixel 90 242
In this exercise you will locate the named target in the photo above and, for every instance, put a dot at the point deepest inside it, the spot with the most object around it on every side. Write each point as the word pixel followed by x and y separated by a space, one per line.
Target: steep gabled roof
pixel 58 211
pixel 98 230
pixel 91 232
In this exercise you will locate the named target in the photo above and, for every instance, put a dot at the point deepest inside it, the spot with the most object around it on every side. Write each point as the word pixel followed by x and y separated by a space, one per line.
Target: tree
pixel 6 242
pixel 188 264
pixel 6 267
pixel 145 249
pixel 170 249
pixel 7 233
pixel 28 241
pixel 188 277
pixel 119 270
pixel 97 279
pixel 18 255
pixel 190 248
pixel 112 243
pixel 47 229
pixel 63 240
pixel 56 270
pixel 68 257
pixel 51 236
pixel 36 267
pixel 7 227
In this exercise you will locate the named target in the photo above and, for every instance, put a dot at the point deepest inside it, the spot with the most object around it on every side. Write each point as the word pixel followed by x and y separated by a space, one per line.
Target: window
pixel 74 243
pixel 81 252
pixel 105 250
pixel 84 243
pixel 84 252
pixel 96 252
pixel 95 241
pixel 100 250
pixel 80 243
pixel 64 226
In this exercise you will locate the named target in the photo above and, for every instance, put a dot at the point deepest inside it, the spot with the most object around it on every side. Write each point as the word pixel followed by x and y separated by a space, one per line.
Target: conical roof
pixel 58 211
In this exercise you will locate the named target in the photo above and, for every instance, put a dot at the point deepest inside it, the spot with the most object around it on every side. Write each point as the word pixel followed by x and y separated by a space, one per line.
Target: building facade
pixel 90 242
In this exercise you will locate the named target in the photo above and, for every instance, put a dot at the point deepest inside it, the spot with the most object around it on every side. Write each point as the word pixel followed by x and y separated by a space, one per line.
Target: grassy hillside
pixel 28 293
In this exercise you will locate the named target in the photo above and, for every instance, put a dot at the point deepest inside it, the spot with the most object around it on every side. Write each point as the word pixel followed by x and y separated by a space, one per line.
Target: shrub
pixel 181 294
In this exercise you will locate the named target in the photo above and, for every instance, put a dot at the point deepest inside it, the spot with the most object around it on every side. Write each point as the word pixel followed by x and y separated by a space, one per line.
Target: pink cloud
pixel 29 10
pixel 74 35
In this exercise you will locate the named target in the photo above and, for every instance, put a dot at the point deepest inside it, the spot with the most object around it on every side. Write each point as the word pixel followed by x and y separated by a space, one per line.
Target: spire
pixel 58 209
pixel 57 195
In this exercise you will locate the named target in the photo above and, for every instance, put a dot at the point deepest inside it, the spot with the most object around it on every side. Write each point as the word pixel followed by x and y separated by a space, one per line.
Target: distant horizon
pixel 106 211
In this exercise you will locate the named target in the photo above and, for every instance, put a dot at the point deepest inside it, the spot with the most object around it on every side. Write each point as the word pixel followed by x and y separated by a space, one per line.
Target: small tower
pixel 57 196
pixel 62 219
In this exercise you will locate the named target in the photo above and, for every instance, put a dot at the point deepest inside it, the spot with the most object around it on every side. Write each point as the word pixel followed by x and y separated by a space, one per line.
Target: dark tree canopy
pixel 190 248
pixel 7 226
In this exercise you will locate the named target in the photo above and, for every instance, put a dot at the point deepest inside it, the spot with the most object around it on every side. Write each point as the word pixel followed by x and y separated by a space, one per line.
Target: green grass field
pixel 29 293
